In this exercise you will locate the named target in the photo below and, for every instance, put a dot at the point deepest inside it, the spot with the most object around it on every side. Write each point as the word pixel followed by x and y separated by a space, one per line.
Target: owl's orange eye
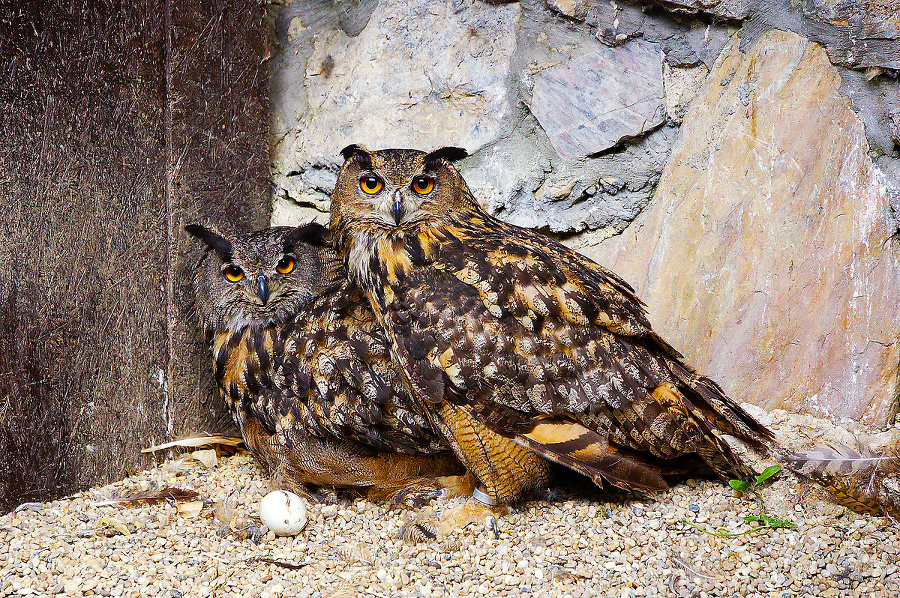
pixel 233 273
pixel 423 185
pixel 285 265
pixel 370 184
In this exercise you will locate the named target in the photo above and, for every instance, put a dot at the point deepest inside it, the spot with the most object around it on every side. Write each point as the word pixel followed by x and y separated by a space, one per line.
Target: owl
pixel 520 351
pixel 303 367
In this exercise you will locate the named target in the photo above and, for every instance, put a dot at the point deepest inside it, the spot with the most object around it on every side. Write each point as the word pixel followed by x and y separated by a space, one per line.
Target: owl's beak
pixel 262 289
pixel 397 210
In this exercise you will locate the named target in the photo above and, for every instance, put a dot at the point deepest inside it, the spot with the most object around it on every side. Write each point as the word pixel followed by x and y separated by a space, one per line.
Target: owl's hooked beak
pixel 262 289
pixel 397 210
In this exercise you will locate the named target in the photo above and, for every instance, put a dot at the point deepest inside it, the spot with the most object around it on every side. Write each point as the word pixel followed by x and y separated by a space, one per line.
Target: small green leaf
pixel 768 473
pixel 776 523
pixel 740 485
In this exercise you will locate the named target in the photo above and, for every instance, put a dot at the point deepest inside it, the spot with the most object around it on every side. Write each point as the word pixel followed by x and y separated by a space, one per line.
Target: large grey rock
pixel 769 253
pixel 415 74
pixel 330 49
pixel 597 100
pixel 603 194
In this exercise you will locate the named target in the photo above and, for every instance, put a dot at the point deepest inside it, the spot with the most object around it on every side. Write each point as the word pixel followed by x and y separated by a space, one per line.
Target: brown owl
pixel 303 366
pixel 518 349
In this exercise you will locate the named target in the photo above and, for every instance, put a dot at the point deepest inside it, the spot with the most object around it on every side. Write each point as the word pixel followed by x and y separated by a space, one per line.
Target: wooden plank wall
pixel 119 124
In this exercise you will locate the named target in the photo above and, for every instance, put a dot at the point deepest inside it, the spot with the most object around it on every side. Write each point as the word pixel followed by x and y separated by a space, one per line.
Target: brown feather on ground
pixel 859 479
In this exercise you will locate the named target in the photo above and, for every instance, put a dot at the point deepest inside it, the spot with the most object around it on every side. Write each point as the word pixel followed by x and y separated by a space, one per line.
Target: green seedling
pixel 763 519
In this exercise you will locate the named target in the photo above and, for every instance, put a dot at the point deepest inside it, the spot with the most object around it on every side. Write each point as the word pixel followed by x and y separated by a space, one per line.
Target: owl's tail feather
pixel 712 417
pixel 587 452
pixel 721 411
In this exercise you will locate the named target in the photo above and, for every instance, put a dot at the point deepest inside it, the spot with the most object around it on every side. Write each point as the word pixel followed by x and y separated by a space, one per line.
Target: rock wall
pixel 737 162
pixel 765 254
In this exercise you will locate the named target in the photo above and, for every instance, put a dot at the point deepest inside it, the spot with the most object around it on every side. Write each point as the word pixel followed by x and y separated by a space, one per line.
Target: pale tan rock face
pixel 766 256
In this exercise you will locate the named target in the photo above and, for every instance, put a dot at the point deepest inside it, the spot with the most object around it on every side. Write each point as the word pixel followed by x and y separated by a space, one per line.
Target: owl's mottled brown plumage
pixel 509 340
pixel 303 366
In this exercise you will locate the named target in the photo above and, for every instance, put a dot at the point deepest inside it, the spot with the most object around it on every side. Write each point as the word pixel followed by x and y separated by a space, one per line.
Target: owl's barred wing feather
pixel 337 364
pixel 484 313
pixel 572 444
pixel 326 373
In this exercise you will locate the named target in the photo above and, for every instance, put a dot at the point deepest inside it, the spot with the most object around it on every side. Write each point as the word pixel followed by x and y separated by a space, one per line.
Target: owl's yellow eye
pixel 423 185
pixel 370 184
pixel 285 265
pixel 233 273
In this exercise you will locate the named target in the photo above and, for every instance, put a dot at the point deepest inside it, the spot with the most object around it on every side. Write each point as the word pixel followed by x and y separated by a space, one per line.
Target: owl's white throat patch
pixel 358 259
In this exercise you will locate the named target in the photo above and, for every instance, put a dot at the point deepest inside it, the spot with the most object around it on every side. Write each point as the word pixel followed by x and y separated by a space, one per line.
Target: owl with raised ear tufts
pixel 518 349
pixel 304 367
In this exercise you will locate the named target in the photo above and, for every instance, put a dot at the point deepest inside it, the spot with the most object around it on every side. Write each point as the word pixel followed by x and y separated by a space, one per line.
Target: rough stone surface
pixel 726 9
pixel 769 254
pixel 515 170
pixel 685 40
pixel 682 86
pixel 601 98
pixel 855 34
pixel 417 75
pixel 577 9
pixel 602 194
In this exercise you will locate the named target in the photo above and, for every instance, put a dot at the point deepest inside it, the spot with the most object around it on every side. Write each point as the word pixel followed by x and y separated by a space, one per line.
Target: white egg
pixel 283 512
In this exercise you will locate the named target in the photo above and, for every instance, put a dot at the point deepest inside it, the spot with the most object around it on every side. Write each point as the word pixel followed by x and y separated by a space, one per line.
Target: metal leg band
pixel 482 497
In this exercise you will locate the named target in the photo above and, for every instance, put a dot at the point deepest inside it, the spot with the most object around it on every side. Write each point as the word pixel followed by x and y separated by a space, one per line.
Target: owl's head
pixel 395 187
pixel 261 278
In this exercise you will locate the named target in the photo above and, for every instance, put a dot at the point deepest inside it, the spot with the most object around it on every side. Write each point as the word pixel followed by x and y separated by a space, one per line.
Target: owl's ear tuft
pixel 352 149
pixel 313 234
pixel 451 154
pixel 213 240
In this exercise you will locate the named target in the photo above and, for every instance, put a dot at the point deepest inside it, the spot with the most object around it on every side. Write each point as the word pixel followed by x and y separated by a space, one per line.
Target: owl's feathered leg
pixel 471 511
pixel 298 460
pixel 506 469
pixel 501 469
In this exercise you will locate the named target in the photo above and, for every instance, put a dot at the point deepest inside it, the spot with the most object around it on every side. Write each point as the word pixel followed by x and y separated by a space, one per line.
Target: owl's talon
pixel 493 523
pixel 416 496
pixel 471 511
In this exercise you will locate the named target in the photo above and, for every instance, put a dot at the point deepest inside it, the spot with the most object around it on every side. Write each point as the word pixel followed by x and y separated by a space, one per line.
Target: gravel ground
pixel 580 543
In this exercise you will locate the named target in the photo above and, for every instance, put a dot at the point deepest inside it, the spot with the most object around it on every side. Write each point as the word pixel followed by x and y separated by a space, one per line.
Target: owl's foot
pixel 429 527
pixel 412 496
pixel 420 492
pixel 472 511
